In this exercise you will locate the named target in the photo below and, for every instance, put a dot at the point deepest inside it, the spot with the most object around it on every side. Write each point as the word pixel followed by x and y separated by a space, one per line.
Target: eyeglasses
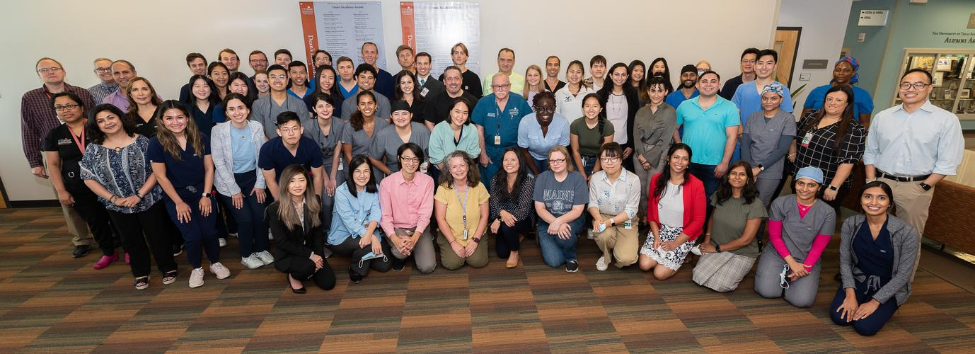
pixel 289 130
pixel 748 61
pixel 409 159
pixel 916 85
pixel 103 70
pixel 610 159
pixel 557 160
pixel 259 61
pixel 278 77
pixel 65 107
pixel 500 86
pixel 47 70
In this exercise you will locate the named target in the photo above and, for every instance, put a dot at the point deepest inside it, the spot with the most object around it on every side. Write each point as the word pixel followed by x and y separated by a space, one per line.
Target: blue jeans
pixel 541 164
pixel 252 231
pixel 556 251
pixel 705 173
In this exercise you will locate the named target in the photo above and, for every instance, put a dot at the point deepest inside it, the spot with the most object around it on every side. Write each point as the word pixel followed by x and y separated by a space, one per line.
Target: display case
pixel 953 72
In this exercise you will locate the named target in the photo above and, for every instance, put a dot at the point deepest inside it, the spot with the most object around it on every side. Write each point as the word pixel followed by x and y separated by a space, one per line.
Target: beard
pixel 687 84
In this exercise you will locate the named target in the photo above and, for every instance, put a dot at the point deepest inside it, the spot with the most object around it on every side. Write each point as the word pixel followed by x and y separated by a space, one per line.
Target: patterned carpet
pixel 50 302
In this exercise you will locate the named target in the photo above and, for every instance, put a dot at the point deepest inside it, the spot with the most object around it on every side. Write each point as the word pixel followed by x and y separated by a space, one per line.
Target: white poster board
pixel 341 27
pixel 434 27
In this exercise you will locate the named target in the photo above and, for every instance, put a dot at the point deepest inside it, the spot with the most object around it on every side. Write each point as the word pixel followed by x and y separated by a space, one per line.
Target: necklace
pixel 617 104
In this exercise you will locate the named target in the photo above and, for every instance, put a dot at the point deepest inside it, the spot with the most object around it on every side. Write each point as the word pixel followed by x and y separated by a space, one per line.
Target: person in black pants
pixel 116 169
pixel 294 221
pixel 511 204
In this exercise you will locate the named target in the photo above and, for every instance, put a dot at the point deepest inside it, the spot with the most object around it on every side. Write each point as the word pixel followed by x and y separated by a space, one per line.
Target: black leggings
pixel 351 247
pixel 95 215
pixel 302 268
pixel 151 223
pixel 508 239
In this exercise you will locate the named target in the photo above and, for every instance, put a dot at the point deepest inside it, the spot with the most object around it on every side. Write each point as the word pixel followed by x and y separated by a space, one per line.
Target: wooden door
pixel 787 45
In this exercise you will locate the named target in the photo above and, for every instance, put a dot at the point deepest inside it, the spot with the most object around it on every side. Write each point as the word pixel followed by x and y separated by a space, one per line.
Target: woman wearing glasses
pixel 560 196
pixel 539 132
pixel 614 198
pixel 800 226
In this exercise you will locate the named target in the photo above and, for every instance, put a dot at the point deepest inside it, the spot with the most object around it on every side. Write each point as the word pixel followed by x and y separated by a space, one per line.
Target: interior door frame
pixel 795 53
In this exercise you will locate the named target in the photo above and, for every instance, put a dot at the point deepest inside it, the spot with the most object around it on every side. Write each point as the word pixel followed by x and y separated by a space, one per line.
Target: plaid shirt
pixel 819 152
pixel 100 91
pixel 37 118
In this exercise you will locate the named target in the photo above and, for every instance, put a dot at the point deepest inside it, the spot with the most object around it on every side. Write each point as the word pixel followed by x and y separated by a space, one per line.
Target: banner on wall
pixel 341 27
pixel 434 27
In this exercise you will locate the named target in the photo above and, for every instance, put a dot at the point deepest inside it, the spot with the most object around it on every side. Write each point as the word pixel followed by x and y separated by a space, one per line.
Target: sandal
pixel 142 283
pixel 169 277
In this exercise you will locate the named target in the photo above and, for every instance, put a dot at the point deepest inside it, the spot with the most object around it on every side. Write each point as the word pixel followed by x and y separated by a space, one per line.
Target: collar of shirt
pixel 621 178
pixel 696 101
pixel 927 107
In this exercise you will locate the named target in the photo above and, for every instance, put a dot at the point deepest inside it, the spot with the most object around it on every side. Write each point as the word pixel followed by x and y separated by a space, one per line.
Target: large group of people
pixel 334 158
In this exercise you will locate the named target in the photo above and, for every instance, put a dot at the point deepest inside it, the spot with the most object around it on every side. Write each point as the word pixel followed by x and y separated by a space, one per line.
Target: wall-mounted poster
pixel 944 64
pixel 341 27
pixel 938 79
pixel 435 27
pixel 923 62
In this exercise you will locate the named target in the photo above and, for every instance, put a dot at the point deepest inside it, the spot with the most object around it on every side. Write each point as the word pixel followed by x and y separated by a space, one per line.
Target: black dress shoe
pixel 80 251
pixel 355 277
pixel 300 290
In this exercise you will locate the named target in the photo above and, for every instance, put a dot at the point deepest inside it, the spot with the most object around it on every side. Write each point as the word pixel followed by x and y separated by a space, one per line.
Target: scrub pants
pixel 152 224
pixel 555 250
pixel 200 232
pixel 873 323
pixel 767 188
pixel 801 293
pixel 251 232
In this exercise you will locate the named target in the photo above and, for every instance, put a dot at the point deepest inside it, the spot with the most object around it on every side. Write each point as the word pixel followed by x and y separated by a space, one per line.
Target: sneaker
pixel 265 257
pixel 80 251
pixel 223 242
pixel 142 283
pixel 232 234
pixel 572 266
pixel 252 261
pixel 398 264
pixel 105 261
pixel 601 264
pixel 170 277
pixel 219 270
pixel 177 250
pixel 589 234
pixel 696 250
pixel 270 236
pixel 196 278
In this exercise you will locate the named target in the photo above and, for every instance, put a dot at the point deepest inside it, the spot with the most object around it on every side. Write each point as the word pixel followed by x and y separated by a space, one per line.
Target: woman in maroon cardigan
pixel 676 211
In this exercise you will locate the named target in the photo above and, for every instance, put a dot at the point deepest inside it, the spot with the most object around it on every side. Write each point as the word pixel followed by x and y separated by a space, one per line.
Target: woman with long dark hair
pixel 299 232
pixel 365 124
pixel 511 205
pixel 676 212
pixel 181 162
pixel 568 99
pixel 326 82
pixel 407 89
pixel 637 71
pixel 203 103
pixel 831 140
pixel 220 75
pixel 587 135
pixel 143 106
pixel 730 244
pixel 659 67
pixel 620 102
pixel 653 132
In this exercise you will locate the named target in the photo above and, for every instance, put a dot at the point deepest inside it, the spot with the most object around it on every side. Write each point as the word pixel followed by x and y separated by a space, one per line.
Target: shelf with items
pixel 953 77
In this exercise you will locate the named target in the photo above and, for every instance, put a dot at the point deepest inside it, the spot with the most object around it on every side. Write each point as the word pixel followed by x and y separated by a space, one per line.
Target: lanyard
pixel 464 205
pixel 79 143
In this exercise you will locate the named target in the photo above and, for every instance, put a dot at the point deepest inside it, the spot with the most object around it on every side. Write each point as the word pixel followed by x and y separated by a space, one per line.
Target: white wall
pixel 823 25
pixel 156 36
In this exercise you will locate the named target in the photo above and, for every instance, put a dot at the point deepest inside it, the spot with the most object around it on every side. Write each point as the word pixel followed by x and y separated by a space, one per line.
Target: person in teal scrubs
pixel 497 116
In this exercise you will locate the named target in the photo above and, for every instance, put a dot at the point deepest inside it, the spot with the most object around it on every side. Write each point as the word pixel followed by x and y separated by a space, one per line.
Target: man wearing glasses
pixel 103 69
pixel 747 65
pixel 266 109
pixel 497 117
pixel 912 146
pixel 37 118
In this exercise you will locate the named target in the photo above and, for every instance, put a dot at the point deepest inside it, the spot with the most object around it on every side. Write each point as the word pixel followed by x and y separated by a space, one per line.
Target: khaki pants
pixel 451 261
pixel 912 206
pixel 622 242
pixel 80 236
pixel 423 253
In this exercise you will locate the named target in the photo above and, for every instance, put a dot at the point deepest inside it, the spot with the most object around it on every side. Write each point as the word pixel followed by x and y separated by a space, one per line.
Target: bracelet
pixel 112 200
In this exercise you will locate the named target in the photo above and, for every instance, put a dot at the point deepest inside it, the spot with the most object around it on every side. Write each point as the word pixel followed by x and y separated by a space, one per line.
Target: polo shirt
pixel 704 130
pixel 530 135
pixel 275 156
pixel 60 139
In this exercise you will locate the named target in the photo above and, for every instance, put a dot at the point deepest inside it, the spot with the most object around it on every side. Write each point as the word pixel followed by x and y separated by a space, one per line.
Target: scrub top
pixel 538 145
pixel 188 171
pixel 749 100
pixel 798 233
pixel 765 135
pixel 500 127
pixel 874 257
pixel 674 99
pixel 339 131
pixel 275 156
pixel 362 143
pixel 386 142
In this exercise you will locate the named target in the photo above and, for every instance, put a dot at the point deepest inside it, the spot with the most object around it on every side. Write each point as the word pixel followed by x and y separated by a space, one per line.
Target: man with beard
pixel 438 106
pixel 552 66
pixel 688 80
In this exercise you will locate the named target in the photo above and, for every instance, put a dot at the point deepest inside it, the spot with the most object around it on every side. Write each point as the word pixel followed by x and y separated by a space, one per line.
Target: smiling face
pixel 323 110
pixel 198 66
pixel 748 63
pixel 765 67
pixel 557 162
pixel 658 68
pixel 282 59
pixel 369 54
pixel 367 106
pixel 366 80
pixel 108 122
pixel 401 118
pixel 423 66
pixel 406 85
pixel 220 76
pixel 771 101
pixel 452 81
pixel 298 74
pixel 913 95
pixel 326 80
pixel 610 162
pixel 835 103
pixel 708 85
pixel 875 201
pixel 409 162
pixel 238 86
pixel 738 177
pixel 678 162
pixel 688 79
pixel 140 92
pixel 657 93
pixel 321 59
pixel 574 74
pixel 262 83
pixel 459 114
pixel 297 185
pixel 230 60
pixel 174 120
pixel 201 89
pixel 237 111
pixel 458 169
pixel 806 189
pixel 545 111
pixel 552 67
pixel 619 76
pixel 500 85
pixel 67 109
pixel 258 62
pixel 361 174
pixel 278 80
pixel 103 68
pixel 122 73
pixel 533 77
pixel 843 72
pixel 591 107
pixel 638 73
pixel 509 162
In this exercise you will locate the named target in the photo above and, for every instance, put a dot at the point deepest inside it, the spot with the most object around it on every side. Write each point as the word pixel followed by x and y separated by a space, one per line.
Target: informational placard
pixel 341 27
pixel 873 18
pixel 435 27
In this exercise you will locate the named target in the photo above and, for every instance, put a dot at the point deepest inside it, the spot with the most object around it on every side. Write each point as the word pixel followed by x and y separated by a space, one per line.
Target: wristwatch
pixel 761 168
pixel 477 240
pixel 612 222
pixel 207 194
pixel 140 195
pixel 926 187
pixel 833 188
pixel 717 247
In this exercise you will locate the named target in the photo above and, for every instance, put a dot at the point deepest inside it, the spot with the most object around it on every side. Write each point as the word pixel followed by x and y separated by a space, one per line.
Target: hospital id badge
pixel 340 166
pixel 497 140
pixel 806 139
pixel 465 234
pixel 628 225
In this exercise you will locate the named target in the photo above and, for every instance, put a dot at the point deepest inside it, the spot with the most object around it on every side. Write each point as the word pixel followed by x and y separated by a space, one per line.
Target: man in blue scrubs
pixel 497 117
pixel 748 96
pixel 290 148
pixel 688 87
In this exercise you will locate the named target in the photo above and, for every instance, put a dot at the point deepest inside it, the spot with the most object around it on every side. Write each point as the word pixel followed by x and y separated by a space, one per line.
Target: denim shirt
pixel 352 214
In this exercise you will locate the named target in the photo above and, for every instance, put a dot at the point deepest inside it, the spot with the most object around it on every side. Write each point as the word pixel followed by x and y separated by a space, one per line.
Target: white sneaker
pixel 270 236
pixel 196 278
pixel 223 242
pixel 233 234
pixel 265 257
pixel 219 270
pixel 589 234
pixel 252 261
pixel 601 264
pixel 696 250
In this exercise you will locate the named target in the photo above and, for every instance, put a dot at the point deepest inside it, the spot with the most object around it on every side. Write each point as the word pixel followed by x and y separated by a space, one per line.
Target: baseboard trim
pixel 34 203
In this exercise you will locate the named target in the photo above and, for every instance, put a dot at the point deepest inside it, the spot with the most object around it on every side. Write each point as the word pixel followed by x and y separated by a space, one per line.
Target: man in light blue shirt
pixel 710 125
pixel 748 96
pixel 912 147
